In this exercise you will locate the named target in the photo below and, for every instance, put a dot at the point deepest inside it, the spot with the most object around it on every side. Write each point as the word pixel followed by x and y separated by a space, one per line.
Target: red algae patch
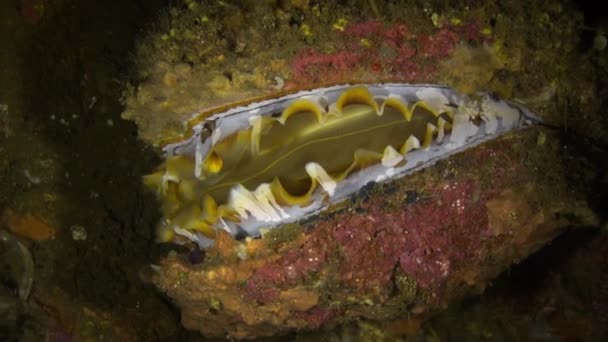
pixel 416 239
pixel 375 50
pixel 428 240
pixel 265 284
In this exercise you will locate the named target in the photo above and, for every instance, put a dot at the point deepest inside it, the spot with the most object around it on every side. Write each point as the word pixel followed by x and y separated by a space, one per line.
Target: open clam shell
pixel 260 165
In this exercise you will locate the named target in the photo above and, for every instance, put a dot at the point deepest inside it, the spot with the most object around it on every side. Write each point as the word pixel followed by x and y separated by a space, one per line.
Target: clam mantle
pixel 256 166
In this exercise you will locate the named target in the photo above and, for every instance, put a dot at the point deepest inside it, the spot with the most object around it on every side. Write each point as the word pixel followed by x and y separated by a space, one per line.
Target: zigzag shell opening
pixel 276 161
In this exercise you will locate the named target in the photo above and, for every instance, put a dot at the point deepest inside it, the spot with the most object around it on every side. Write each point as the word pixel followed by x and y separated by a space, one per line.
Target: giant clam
pixel 256 166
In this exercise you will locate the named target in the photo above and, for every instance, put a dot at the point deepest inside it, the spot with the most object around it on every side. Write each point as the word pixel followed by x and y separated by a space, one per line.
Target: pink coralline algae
pixel 373 49
pixel 316 317
pixel 330 65
pixel 421 240
pixel 265 283
pixel 429 248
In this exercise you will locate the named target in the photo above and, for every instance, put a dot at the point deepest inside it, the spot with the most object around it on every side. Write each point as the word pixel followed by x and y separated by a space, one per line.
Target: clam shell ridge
pixel 276 161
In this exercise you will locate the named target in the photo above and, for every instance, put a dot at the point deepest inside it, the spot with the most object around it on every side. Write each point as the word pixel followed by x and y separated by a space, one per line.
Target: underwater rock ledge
pixel 405 248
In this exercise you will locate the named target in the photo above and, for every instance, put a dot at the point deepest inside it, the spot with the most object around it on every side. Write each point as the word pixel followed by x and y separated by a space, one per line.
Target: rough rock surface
pixel 209 57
